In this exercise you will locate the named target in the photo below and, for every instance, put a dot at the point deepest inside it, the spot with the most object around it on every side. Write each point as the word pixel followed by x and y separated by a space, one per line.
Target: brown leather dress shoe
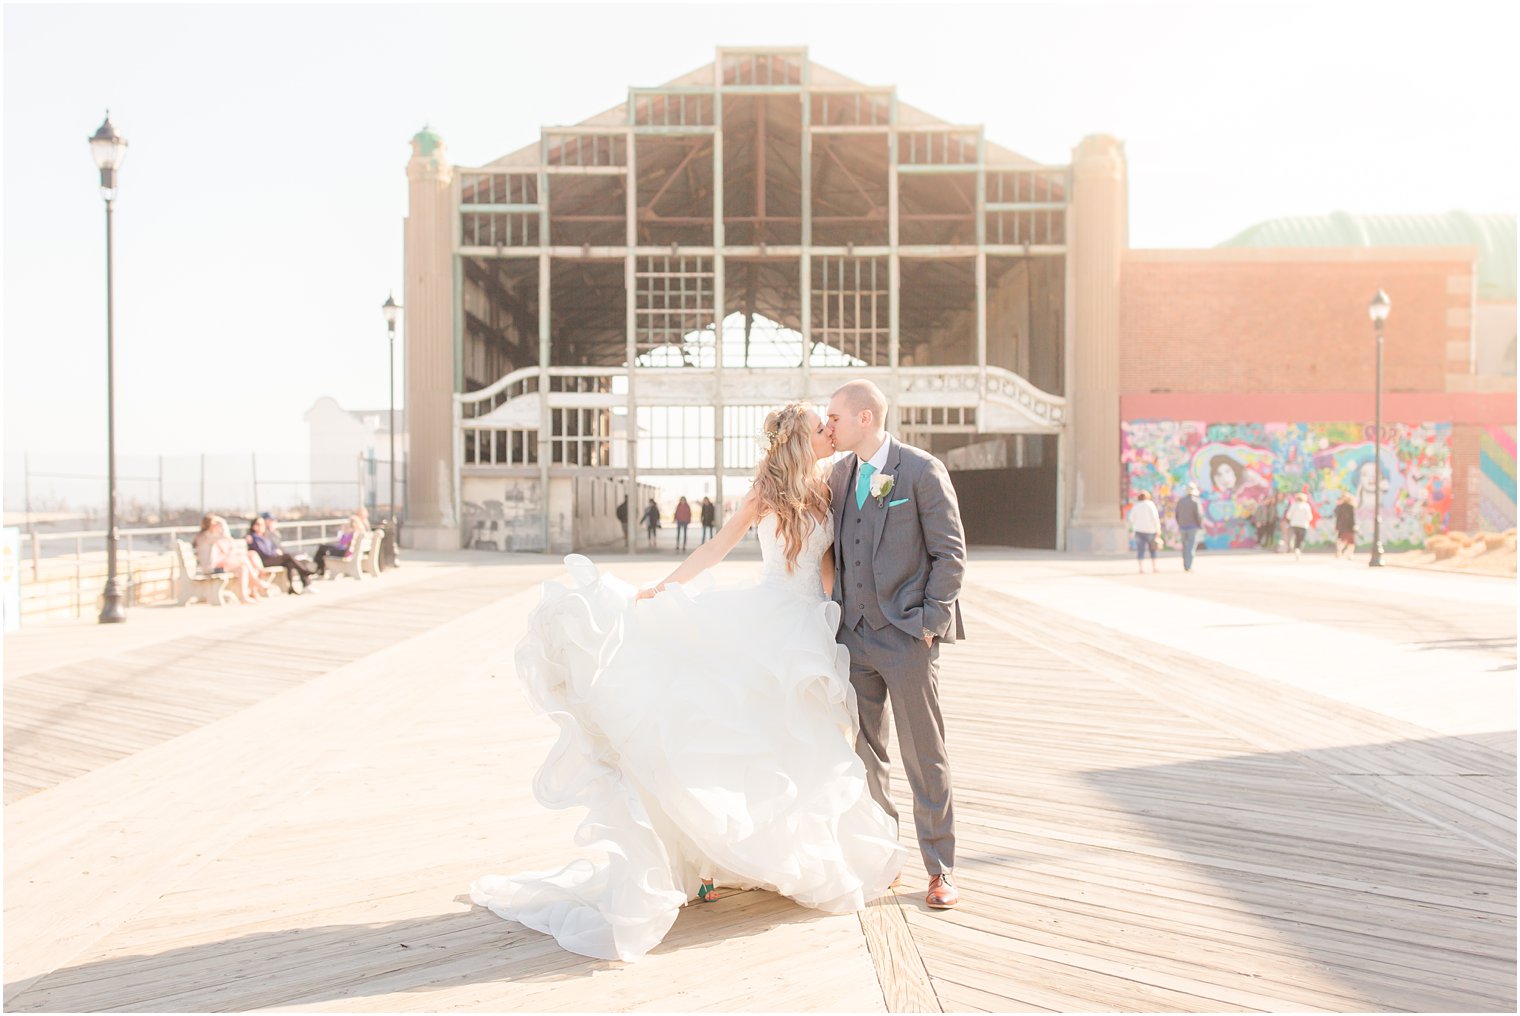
pixel 942 895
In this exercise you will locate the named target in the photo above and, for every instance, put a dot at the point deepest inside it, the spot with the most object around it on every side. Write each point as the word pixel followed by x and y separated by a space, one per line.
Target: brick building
pixel 620 300
pixel 1249 369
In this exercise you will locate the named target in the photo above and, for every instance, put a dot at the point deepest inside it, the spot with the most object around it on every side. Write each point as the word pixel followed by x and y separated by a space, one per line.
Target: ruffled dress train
pixel 707 732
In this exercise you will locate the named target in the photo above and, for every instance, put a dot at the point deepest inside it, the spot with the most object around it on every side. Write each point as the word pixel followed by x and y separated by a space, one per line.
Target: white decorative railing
pixel 575 382
pixel 1000 400
pixel 1006 386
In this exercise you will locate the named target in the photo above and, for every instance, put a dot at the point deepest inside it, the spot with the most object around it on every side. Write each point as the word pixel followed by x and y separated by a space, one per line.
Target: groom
pixel 899 555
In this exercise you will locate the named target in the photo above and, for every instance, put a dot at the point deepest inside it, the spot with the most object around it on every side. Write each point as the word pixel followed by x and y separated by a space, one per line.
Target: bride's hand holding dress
pixel 711 552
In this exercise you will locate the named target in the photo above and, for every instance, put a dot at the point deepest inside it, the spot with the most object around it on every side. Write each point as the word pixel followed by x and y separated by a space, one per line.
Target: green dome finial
pixel 426 141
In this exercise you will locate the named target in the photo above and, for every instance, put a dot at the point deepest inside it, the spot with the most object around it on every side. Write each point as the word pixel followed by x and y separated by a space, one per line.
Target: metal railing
pixel 65 572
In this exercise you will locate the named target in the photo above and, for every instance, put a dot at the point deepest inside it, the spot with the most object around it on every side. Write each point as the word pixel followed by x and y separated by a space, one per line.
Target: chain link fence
pixel 68 492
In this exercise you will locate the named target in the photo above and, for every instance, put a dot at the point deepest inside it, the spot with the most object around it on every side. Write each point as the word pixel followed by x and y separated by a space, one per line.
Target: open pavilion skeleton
pixel 629 294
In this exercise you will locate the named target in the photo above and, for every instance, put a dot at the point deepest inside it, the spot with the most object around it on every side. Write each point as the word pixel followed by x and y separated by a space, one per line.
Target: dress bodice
pixel 805 578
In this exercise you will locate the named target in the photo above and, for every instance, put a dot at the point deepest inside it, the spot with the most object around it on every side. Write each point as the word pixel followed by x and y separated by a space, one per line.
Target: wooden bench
pixel 272 574
pixel 353 564
pixel 372 558
pixel 194 584
pixel 277 576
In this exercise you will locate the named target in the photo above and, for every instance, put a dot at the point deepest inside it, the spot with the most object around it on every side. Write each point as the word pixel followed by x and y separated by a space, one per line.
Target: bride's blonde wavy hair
pixel 788 482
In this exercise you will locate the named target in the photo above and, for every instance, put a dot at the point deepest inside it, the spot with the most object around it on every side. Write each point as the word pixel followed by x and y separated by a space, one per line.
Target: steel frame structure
pixel 715 146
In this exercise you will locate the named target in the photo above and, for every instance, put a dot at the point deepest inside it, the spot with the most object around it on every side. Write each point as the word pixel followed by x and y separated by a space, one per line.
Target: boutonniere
pixel 881 486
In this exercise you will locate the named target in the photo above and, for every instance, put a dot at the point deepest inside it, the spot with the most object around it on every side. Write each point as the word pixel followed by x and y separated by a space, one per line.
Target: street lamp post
pixel 392 311
pixel 109 149
pixel 1378 311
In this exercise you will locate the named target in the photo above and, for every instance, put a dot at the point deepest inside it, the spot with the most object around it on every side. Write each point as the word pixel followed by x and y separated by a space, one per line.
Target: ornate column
pixel 1099 235
pixel 433 517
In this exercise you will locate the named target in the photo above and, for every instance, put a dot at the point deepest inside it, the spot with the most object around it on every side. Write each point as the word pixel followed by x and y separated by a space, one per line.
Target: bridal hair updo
pixel 788 483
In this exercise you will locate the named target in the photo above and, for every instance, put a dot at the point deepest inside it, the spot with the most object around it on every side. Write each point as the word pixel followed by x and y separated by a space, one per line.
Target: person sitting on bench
pixel 262 541
pixel 346 536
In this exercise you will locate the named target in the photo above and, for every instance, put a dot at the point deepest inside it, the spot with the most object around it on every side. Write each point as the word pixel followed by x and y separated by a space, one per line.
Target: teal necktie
pixel 863 484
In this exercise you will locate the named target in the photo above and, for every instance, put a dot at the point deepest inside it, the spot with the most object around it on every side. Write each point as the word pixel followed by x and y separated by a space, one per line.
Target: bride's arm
pixel 827 568
pixel 714 550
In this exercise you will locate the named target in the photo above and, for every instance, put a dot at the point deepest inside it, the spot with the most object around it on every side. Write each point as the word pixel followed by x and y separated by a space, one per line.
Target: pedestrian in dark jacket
pixel 1345 526
pixel 709 518
pixel 1189 513
pixel 651 520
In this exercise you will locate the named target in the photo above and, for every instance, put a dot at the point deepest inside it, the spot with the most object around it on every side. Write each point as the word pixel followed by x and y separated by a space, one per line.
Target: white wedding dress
pixel 706 731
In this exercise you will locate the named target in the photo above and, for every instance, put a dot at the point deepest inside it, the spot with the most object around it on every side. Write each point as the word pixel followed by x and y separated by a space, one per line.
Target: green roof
pixel 427 140
pixel 1492 235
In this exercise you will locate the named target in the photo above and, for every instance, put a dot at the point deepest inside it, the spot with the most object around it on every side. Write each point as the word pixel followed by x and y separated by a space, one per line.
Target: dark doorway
pixel 1012 507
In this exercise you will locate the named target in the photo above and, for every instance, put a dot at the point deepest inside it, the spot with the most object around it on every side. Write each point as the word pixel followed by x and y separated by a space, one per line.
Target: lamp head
pixel 109 150
pixel 391 309
pixel 1378 308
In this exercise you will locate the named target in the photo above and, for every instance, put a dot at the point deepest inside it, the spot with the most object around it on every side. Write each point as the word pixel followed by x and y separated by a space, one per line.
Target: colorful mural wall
pixel 1496 479
pixel 1239 467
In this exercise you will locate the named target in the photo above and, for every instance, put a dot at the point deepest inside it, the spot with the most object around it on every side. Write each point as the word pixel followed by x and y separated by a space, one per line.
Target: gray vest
pixel 857 579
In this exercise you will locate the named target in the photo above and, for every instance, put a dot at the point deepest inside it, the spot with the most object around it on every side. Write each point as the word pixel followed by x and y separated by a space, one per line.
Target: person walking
pixel 1145 524
pixel 1273 517
pixel 1265 521
pixel 1298 518
pixel 1189 513
pixel 682 515
pixel 651 520
pixel 1345 526
pixel 709 518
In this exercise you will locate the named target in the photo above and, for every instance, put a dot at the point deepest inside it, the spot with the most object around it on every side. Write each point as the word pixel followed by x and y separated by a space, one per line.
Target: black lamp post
pixel 392 311
pixel 109 150
pixel 1378 311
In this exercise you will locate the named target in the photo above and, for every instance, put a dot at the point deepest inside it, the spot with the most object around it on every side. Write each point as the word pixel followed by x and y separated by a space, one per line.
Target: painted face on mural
pixel 1366 483
pixel 1366 476
pixel 1225 473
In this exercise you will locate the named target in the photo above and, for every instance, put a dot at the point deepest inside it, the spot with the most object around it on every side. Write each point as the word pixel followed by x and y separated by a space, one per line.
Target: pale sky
pixel 259 222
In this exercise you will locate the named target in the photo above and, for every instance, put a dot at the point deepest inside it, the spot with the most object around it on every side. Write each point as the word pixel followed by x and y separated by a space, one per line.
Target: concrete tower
pixel 1100 220
pixel 432 515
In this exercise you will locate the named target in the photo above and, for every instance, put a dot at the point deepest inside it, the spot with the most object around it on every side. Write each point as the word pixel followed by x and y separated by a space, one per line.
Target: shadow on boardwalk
pixel 1403 914
pixel 444 956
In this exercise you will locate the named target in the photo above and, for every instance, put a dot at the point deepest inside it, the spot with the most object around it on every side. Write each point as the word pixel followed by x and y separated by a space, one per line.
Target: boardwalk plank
pixel 294 827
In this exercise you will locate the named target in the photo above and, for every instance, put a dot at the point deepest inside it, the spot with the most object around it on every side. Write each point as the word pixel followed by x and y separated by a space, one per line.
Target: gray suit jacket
pixel 919 553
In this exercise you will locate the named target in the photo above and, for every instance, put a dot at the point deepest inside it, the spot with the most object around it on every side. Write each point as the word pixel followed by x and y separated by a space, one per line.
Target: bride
pixel 709 732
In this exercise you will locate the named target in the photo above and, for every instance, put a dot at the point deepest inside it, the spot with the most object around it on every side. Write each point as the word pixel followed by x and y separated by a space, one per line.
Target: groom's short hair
pixel 862 394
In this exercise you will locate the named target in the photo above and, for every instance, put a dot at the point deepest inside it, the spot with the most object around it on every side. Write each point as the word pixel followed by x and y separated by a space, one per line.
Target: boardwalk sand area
pixel 1259 786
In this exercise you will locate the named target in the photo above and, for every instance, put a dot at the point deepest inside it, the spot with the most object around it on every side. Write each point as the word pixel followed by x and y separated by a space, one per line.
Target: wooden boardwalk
pixel 195 823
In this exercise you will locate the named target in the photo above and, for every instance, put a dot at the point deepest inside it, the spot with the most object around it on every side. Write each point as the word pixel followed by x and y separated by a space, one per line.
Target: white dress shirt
pixel 879 460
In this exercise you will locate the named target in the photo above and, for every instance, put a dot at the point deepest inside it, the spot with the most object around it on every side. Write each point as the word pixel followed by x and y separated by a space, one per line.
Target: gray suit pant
pixel 889 665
